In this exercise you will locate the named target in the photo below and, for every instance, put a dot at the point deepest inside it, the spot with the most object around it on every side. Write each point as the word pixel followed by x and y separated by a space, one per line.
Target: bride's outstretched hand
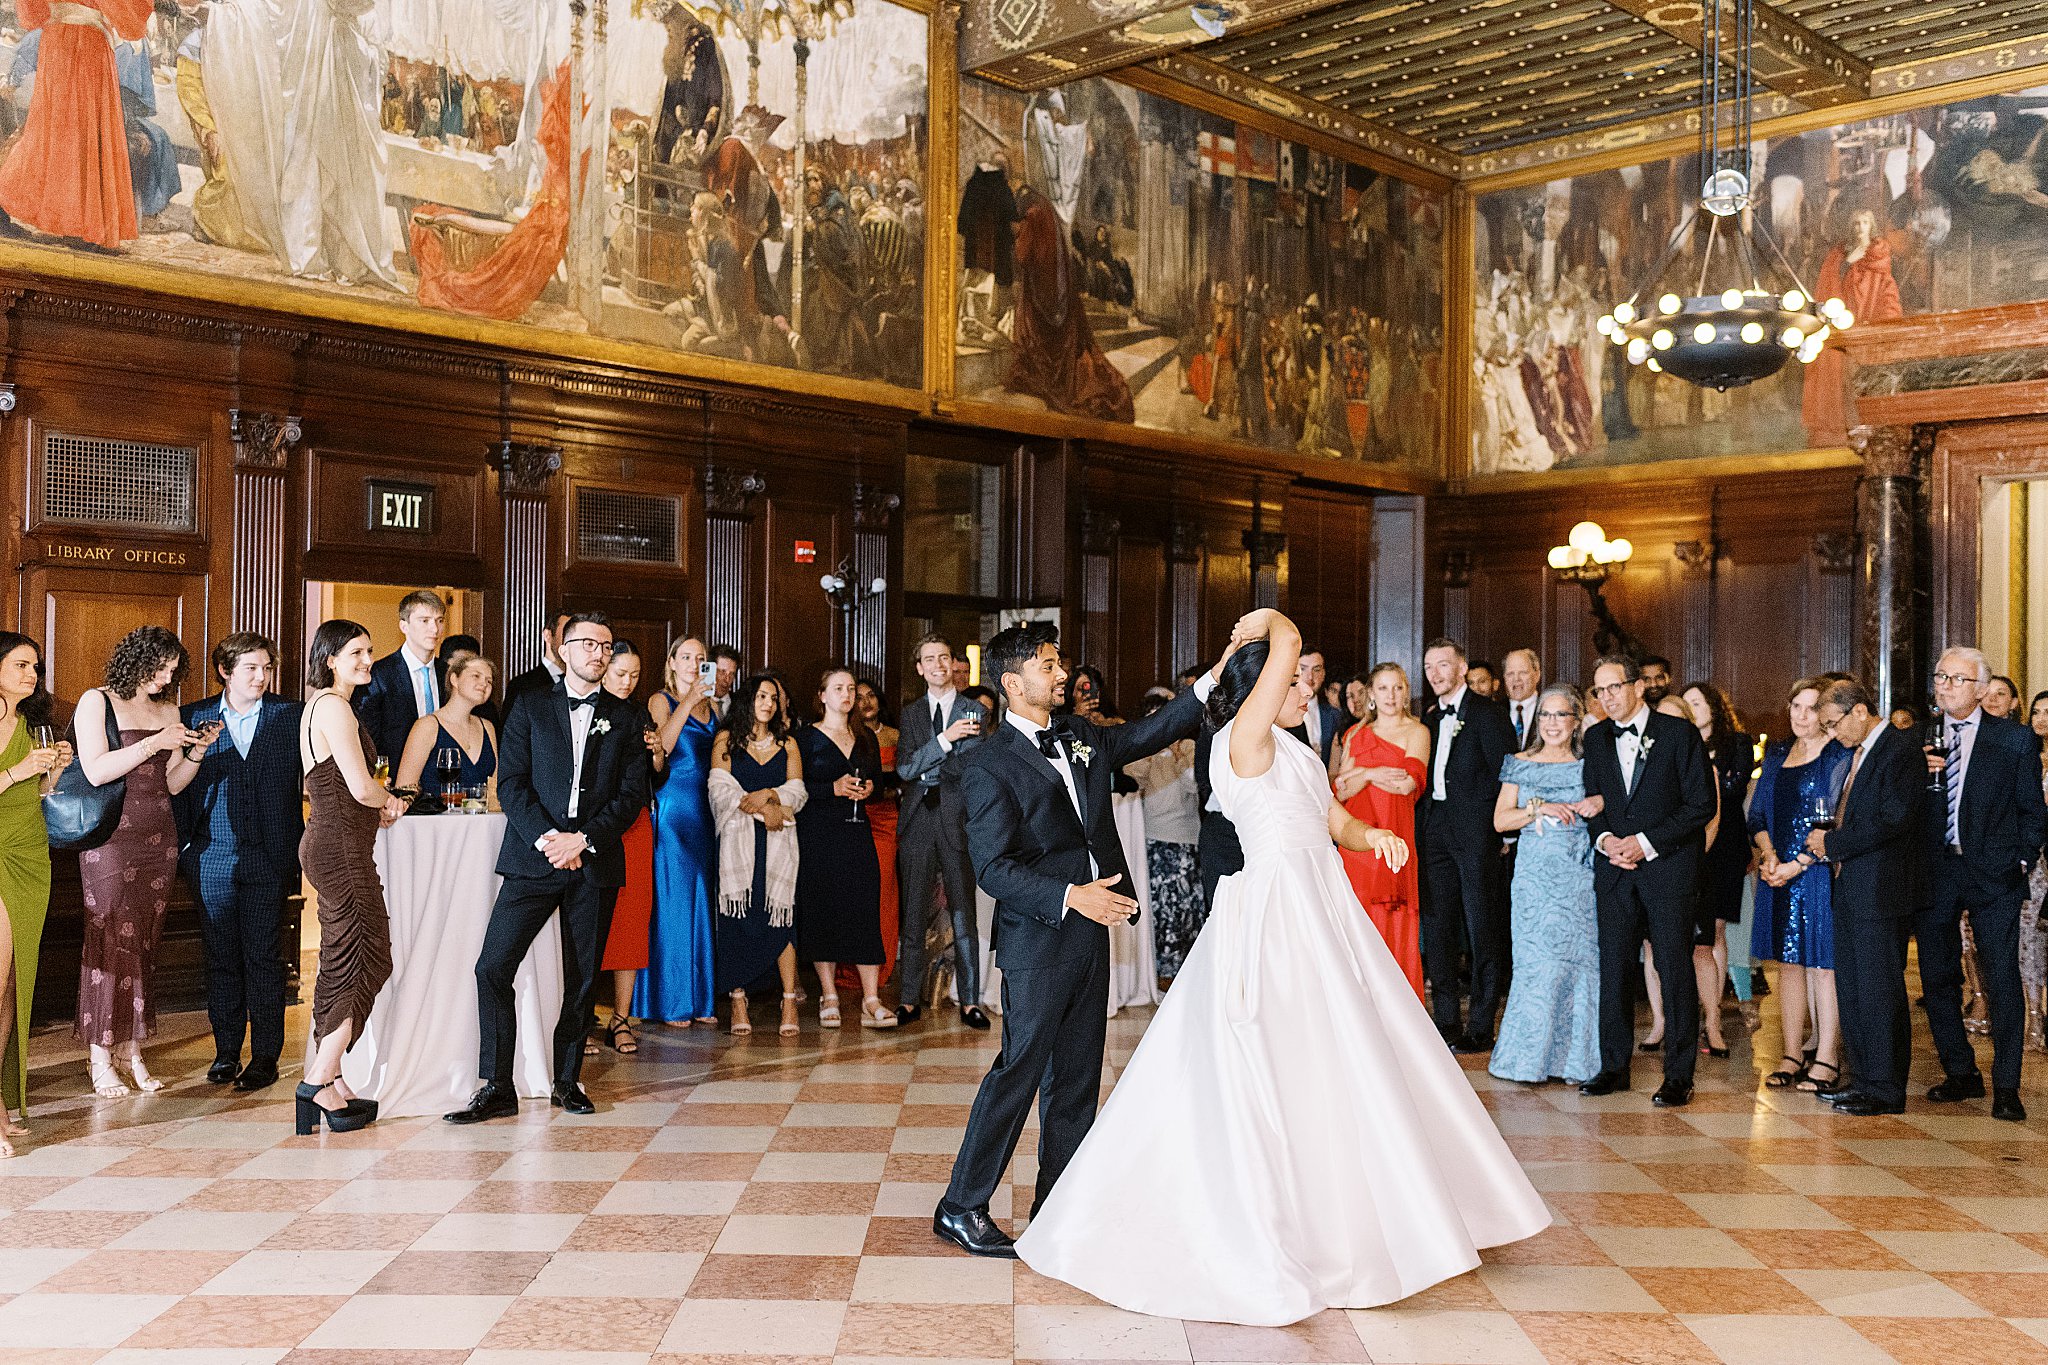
pixel 1391 848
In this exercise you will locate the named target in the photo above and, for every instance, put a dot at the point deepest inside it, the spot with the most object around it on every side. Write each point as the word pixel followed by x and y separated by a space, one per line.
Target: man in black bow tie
pixel 572 776
pixel 1656 789
pixel 1043 838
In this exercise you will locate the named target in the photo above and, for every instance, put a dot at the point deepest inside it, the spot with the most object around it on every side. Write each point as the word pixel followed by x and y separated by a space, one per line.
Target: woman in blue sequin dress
pixel 1551 1027
pixel 1795 925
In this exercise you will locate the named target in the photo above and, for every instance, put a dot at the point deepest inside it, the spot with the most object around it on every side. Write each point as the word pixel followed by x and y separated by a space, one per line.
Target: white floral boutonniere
pixel 1643 750
pixel 600 726
pixel 1457 723
pixel 1082 752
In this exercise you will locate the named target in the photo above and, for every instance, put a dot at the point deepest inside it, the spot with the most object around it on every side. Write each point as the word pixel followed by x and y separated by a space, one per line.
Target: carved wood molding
pixel 621 387
pixel 1099 531
pixel 262 440
pixel 1836 550
pixel 1265 548
pixel 525 470
pixel 1458 564
pixel 764 405
pixel 729 493
pixel 135 317
pixel 1695 557
pixel 1184 540
pixel 874 507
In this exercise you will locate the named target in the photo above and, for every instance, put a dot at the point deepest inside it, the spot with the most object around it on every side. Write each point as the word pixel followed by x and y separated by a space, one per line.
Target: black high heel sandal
pixel 311 1113
pixel 1784 1080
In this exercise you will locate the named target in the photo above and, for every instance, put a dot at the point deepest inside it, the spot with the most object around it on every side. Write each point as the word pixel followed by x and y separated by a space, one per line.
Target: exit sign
pixel 405 507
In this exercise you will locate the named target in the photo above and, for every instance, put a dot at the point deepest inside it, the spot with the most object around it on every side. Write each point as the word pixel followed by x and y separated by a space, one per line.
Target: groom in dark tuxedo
pixel 572 776
pixel 1044 843
pixel 1656 788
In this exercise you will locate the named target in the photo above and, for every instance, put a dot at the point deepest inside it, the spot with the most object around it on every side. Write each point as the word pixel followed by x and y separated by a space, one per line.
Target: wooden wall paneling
pixel 1184 564
pixel 875 508
pixel 1143 625
pixel 801 632
pixel 1693 655
pixel 730 556
pixel 1967 462
pixel 264 444
pixel 1507 610
pixel 1329 574
pixel 1395 580
pixel 1567 652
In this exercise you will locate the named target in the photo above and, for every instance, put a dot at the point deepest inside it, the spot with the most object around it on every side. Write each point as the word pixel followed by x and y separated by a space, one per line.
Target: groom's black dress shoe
pixel 1672 1095
pixel 1954 1089
pixel 256 1076
pixel 220 1073
pixel 571 1099
pixel 973 1231
pixel 1866 1106
pixel 2005 1104
pixel 971 1016
pixel 1606 1083
pixel 493 1100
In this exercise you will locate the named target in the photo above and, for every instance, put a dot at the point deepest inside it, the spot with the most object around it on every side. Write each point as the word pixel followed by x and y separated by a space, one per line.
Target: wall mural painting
pixel 1130 259
pixel 745 183
pixel 1928 211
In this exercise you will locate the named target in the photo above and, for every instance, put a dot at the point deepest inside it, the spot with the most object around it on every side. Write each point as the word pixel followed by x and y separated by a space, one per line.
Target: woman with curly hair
pixel 128 878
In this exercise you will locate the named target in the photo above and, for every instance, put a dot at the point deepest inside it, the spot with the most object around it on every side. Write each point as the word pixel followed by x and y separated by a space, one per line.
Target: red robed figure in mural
pixel 1056 358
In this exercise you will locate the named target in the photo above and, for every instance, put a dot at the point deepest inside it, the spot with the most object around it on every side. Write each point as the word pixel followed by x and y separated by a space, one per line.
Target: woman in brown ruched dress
pixel 127 880
pixel 348 806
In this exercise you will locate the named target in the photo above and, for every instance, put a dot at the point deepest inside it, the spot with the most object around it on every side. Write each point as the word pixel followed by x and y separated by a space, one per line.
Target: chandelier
pixel 1722 307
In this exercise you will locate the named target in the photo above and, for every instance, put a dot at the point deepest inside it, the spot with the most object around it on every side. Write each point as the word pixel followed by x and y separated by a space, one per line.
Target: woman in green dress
pixel 27 766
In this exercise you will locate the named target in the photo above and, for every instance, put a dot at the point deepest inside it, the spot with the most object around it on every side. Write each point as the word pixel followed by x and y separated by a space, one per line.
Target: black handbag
pixel 79 814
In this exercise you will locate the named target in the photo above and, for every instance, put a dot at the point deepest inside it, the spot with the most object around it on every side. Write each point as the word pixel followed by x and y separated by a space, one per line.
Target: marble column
pixel 1890 519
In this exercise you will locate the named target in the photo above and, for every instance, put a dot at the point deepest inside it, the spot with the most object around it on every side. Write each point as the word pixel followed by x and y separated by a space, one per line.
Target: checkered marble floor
pixel 768 1200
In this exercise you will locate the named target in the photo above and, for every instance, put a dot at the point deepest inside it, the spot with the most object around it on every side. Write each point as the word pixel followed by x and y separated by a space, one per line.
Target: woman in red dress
pixel 626 946
pixel 1379 780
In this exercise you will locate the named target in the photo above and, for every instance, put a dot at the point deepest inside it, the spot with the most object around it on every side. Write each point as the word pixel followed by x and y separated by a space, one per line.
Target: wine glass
pixel 856 818
pixel 382 771
pixel 1820 811
pixel 1937 743
pixel 448 763
pixel 43 736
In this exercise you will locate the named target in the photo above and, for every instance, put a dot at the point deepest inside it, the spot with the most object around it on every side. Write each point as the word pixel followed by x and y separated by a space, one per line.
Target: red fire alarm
pixel 806 552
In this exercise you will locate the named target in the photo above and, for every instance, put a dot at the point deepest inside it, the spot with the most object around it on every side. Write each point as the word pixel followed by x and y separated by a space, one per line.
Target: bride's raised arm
pixel 1251 739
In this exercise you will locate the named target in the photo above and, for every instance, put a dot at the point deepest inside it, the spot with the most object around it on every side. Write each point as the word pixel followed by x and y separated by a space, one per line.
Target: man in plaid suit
pixel 239 823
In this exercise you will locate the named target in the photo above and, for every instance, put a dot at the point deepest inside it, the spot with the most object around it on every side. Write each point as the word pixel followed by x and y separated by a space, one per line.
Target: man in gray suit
pixel 937 729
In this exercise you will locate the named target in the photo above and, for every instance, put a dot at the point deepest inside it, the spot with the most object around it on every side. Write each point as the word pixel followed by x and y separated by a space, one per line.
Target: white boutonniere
pixel 1643 750
pixel 600 726
pixel 1457 723
pixel 1082 753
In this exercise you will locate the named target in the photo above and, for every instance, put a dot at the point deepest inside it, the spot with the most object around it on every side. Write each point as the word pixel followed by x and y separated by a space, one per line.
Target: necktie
pixel 426 672
pixel 1955 782
pixel 1520 722
pixel 1848 784
pixel 575 702
pixel 938 719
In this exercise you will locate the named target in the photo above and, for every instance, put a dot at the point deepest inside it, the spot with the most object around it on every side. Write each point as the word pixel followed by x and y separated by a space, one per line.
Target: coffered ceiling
pixel 1465 88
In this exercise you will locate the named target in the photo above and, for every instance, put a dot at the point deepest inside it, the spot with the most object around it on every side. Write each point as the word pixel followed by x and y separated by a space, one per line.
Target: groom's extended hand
pixel 1099 903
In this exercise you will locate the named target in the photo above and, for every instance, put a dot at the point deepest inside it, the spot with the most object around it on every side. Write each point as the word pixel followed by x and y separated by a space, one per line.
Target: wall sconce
pixel 1586 558
pixel 1587 552
pixel 847 595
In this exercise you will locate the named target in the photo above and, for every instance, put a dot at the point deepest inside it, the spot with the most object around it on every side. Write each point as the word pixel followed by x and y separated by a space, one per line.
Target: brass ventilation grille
pixel 627 528
pixel 91 481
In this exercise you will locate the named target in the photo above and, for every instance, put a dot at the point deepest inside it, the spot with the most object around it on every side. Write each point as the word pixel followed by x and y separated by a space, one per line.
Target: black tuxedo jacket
pixel 534 767
pixel 1875 845
pixel 1670 805
pixel 2002 816
pixel 535 681
pixel 1471 774
pixel 1028 845
pixel 387 707
pixel 262 795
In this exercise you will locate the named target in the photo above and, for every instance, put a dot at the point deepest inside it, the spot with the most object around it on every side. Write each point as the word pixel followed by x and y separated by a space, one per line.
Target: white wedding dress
pixel 1291 1134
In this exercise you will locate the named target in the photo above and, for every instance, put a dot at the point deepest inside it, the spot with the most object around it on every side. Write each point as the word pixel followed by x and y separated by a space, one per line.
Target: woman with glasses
pixel 1795 924
pixel 1551 1027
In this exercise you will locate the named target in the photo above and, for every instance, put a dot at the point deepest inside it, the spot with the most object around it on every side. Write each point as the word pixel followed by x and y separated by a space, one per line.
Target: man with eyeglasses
pixel 1656 789
pixel 1981 832
pixel 1877 869
pixel 572 776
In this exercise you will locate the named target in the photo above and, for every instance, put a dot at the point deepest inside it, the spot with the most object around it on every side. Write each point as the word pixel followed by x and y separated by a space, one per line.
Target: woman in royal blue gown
pixel 676 986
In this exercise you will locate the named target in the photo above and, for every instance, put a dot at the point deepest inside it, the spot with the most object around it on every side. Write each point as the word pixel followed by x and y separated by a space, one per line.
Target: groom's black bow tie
pixel 590 700
pixel 1049 744
pixel 1621 730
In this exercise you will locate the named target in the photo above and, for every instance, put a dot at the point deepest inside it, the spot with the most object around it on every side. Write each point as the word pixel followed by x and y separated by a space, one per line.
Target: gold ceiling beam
pixel 1790 58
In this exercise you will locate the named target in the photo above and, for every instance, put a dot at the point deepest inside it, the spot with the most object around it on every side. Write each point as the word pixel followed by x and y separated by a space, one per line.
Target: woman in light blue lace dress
pixel 1551 1027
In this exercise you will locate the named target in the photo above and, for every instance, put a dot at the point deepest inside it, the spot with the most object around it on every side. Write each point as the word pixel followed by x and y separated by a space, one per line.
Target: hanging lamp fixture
pixel 1731 310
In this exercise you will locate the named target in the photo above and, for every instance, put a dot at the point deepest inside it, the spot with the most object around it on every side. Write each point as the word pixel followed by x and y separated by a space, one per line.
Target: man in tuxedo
pixel 1461 864
pixel 572 776
pixel 1656 788
pixel 546 675
pixel 1874 849
pixel 1045 845
pixel 1521 675
pixel 239 823
pixel 726 665
pixel 1479 676
pixel 1980 836
pixel 936 735
pixel 408 682
pixel 1217 851
pixel 1322 725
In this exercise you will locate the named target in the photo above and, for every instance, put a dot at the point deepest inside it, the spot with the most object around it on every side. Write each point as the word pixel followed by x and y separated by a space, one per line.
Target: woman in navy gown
pixel 1795 922
pixel 677 984
pixel 454 725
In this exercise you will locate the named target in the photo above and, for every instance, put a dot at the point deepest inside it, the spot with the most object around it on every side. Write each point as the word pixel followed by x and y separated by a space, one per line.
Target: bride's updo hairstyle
pixel 1240 675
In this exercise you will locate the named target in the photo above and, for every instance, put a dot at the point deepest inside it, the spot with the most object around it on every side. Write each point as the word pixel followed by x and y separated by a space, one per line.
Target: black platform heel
pixel 311 1113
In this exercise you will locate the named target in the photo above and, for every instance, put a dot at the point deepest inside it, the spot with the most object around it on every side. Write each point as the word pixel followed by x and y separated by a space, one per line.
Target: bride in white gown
pixel 1291 1134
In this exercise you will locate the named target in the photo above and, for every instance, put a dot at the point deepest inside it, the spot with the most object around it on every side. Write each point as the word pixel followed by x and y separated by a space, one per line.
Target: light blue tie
pixel 426 672
pixel 1955 782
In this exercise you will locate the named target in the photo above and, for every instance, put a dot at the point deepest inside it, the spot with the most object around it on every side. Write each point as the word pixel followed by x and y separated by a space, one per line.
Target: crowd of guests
pixel 1575 849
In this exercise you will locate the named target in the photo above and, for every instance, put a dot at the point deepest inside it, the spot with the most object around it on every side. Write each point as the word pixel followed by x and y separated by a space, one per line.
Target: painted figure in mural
pixel 1224 348
pixel 693 94
pixel 1859 273
pixel 838 333
pixel 69 174
pixel 1251 369
pixel 711 310
pixel 1056 358
pixel 231 87
pixel 332 185
pixel 1108 274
